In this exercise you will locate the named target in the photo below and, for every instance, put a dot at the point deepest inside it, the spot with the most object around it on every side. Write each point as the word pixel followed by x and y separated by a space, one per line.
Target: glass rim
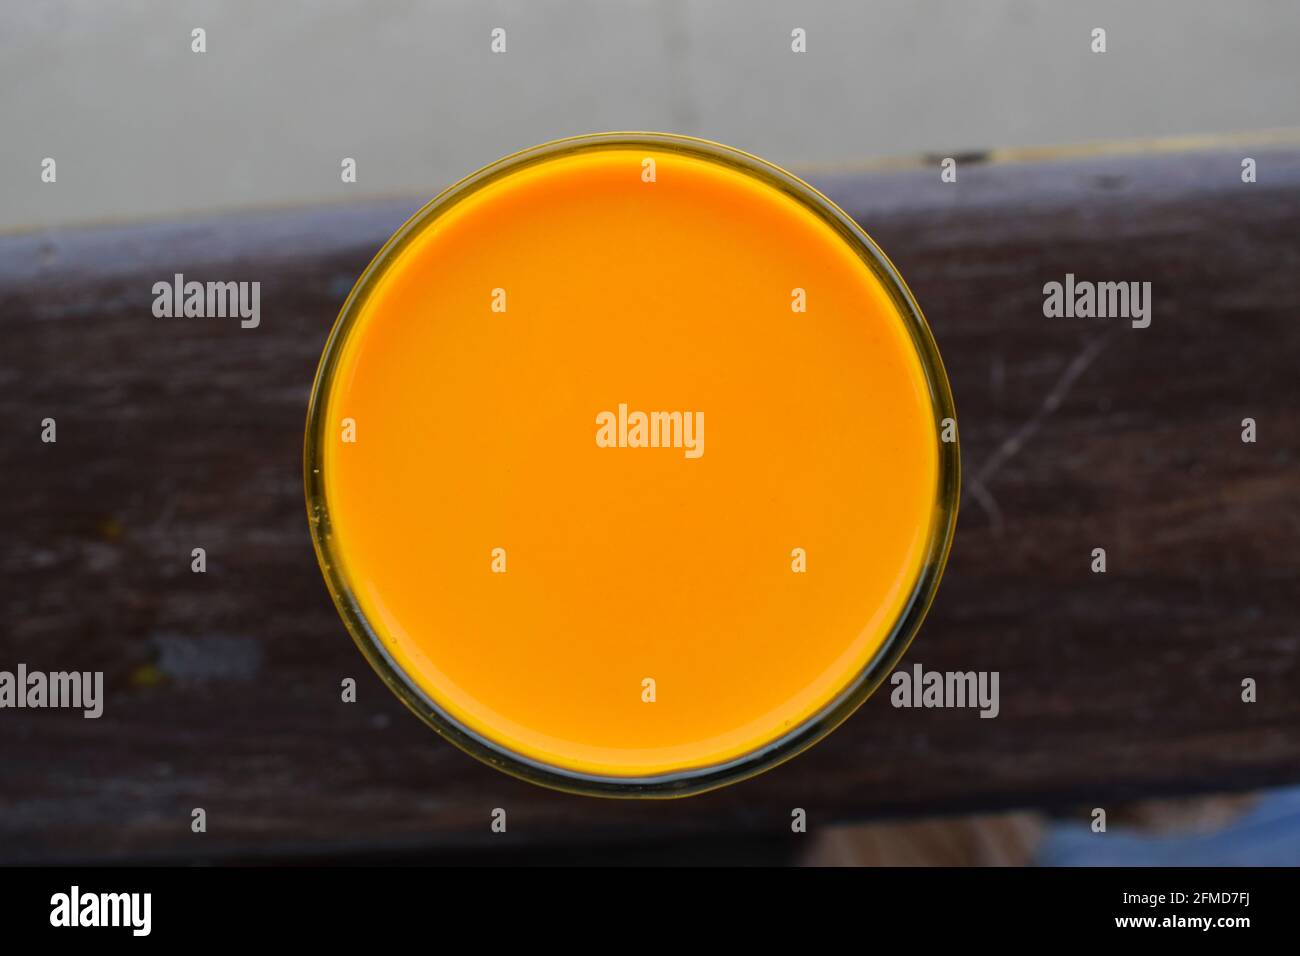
pixel 834 711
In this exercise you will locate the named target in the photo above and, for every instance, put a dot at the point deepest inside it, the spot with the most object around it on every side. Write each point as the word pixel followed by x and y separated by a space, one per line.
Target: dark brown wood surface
pixel 223 688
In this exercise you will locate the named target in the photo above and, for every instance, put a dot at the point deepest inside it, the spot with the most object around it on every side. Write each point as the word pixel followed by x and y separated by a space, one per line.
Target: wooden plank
pixel 223 689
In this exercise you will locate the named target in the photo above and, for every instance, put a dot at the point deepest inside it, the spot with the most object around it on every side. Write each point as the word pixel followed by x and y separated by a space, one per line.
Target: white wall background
pixel 142 127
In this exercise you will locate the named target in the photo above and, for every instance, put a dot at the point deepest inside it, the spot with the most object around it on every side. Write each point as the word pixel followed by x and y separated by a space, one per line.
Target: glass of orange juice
pixel 630 464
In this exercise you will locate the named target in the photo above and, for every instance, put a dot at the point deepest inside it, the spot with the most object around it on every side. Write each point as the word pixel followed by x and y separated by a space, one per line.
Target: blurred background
pixel 142 128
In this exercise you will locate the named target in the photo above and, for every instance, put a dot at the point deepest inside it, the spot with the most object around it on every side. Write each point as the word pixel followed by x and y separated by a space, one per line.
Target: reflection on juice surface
pixel 645 468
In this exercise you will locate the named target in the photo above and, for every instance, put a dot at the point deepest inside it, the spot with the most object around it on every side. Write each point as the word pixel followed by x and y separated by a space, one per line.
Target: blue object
pixel 1266 835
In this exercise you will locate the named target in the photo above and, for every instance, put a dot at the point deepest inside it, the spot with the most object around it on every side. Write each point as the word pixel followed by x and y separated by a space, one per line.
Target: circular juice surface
pixel 611 499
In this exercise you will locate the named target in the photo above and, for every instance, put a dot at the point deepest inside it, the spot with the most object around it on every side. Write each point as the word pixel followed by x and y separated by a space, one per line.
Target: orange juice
pixel 626 464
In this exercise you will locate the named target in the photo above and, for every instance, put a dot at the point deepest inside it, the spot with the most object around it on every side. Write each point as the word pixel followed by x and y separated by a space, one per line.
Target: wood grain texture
pixel 223 688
